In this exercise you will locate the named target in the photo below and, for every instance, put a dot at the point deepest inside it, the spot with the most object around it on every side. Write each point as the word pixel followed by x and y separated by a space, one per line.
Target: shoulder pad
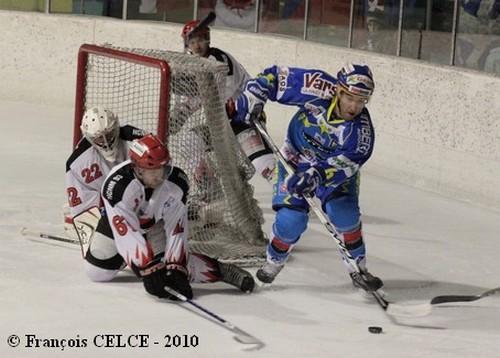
pixel 130 133
pixel 81 147
pixel 116 184
pixel 179 178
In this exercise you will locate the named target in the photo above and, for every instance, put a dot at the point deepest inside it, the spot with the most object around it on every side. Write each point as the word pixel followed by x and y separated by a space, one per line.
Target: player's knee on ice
pixel 102 261
pixel 290 224
pixel 98 274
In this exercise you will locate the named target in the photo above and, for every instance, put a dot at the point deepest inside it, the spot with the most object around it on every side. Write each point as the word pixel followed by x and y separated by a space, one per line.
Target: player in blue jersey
pixel 329 138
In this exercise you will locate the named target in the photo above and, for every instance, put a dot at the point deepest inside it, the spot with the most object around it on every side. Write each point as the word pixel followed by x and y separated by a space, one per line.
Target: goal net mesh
pixel 224 218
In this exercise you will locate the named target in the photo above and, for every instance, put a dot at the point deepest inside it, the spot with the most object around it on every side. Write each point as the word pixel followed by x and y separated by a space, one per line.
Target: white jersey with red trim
pixel 86 170
pixel 132 209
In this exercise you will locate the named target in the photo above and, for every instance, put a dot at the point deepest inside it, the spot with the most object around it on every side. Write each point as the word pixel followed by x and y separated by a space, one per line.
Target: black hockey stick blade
pixel 463 298
pixel 241 336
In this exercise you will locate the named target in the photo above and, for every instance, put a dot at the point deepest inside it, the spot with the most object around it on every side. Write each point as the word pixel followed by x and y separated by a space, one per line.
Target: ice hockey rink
pixel 421 244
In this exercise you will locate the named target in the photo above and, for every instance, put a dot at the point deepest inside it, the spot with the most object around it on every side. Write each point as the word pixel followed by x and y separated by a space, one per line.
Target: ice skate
pixel 267 272
pixel 237 277
pixel 366 281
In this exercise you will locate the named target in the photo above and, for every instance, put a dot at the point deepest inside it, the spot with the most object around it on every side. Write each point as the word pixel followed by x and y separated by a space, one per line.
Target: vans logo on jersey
pixel 316 85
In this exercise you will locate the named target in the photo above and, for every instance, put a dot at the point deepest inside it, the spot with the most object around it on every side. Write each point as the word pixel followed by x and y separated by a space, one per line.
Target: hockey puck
pixel 375 329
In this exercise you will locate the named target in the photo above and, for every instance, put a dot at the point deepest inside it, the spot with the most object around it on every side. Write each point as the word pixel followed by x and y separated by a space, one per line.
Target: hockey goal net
pixel 178 97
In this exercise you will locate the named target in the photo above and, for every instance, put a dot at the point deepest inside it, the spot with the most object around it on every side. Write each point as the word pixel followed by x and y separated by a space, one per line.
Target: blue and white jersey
pixel 315 134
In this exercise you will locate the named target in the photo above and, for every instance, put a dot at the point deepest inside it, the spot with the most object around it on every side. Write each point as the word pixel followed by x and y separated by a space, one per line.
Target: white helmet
pixel 101 128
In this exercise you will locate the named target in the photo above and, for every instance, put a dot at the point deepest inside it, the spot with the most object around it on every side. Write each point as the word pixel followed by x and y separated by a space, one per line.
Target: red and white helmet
pixel 149 152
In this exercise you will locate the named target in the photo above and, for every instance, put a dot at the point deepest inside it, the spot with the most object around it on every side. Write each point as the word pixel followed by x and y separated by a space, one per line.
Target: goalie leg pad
pixel 251 142
pixel 265 165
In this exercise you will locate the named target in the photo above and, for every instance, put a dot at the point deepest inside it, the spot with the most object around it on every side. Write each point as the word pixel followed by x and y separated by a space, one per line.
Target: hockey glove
pixel 305 180
pixel 154 277
pixel 177 279
pixel 255 94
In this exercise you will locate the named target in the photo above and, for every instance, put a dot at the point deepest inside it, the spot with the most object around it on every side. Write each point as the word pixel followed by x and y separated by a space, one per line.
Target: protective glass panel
pixel 328 22
pixel 284 17
pixel 478 38
pixel 376 25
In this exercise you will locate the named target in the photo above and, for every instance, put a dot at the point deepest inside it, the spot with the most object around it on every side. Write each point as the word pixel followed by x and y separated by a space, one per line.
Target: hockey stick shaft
pixel 27 232
pixel 241 336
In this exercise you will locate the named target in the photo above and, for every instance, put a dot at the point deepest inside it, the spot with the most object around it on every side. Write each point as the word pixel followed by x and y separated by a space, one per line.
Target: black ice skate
pixel 366 281
pixel 269 271
pixel 237 277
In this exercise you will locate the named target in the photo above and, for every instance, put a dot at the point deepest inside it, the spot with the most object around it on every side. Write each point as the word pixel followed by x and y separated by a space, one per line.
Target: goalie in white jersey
pixel 145 227
pixel 104 144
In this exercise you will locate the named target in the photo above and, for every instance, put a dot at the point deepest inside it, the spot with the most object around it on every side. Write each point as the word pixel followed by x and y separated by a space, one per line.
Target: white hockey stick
pixel 241 335
pixel 27 232
pixel 390 308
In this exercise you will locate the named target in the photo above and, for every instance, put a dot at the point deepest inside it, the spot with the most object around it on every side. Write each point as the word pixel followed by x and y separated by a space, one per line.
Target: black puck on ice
pixel 375 329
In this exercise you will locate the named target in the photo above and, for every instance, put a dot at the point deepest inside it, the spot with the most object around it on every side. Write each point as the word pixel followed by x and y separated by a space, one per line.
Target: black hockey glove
pixel 177 279
pixel 154 277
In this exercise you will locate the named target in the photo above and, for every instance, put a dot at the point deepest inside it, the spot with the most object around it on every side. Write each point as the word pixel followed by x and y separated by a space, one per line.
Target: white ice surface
pixel 421 244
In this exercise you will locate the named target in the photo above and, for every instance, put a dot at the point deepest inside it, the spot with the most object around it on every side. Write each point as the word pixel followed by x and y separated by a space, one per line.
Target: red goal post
pixel 81 81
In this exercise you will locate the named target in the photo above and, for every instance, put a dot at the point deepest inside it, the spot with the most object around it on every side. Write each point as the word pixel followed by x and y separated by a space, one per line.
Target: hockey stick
pixel 390 308
pixel 463 298
pixel 203 24
pixel 241 336
pixel 27 232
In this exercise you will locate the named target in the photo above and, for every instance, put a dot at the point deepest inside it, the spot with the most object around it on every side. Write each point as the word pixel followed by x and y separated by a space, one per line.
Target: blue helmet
pixel 356 79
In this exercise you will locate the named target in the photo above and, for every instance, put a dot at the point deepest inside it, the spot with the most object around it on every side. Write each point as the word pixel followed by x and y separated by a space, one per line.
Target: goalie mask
pixel 101 128
pixel 150 159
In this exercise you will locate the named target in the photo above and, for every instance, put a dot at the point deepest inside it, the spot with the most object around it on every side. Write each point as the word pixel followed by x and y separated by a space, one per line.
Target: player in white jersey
pixel 145 227
pixel 197 42
pixel 104 144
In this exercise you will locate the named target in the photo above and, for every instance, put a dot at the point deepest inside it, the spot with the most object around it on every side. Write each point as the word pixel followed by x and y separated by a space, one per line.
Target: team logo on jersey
pixel 308 154
pixel 111 186
pixel 316 85
pixel 364 136
pixel 282 81
pixel 313 109
pixel 168 202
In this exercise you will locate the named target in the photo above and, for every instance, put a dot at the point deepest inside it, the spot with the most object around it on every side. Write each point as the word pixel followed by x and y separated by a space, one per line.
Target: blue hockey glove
pixel 305 180
pixel 255 94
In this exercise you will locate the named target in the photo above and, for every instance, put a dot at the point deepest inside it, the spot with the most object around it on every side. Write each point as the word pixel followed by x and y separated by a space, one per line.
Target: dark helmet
pixel 356 79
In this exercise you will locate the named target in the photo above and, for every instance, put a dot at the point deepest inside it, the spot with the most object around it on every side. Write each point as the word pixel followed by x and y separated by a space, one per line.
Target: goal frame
pixel 83 57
